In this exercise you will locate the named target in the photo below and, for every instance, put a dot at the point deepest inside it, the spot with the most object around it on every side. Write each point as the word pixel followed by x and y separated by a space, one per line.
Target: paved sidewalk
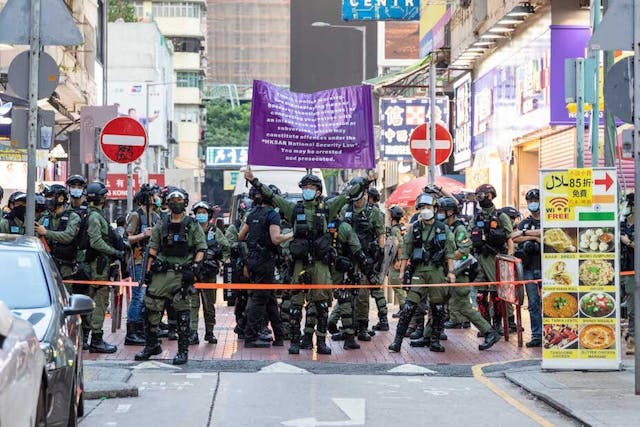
pixel 592 398
pixel 461 348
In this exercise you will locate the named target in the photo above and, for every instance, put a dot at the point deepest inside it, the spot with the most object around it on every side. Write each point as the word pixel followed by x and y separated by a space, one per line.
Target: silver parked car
pixel 22 373
pixel 32 288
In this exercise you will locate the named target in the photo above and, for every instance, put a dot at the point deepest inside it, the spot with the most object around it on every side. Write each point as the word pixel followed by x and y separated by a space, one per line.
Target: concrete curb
pixel 107 382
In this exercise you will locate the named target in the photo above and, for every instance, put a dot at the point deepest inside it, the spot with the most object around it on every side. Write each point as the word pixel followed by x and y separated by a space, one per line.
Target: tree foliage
pixel 227 126
pixel 122 9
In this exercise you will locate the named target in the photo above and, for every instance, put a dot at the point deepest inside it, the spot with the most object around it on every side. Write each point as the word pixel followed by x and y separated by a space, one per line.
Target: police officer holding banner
pixel 261 231
pixel 176 250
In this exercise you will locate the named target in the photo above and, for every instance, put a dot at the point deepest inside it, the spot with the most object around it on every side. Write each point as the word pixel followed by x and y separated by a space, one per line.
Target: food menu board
pixel 580 269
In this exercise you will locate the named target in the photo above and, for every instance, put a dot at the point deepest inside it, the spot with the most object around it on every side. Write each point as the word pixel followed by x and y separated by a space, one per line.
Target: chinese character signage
pixel 219 157
pixel 400 116
pixel 580 269
pixel 380 10
pixel 462 131
pixel 117 184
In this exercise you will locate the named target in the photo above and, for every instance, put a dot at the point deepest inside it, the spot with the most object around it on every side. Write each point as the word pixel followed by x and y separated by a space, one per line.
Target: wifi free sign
pixel 556 208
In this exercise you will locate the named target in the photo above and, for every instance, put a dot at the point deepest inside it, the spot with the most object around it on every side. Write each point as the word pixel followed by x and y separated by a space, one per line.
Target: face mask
pixel 440 216
pixel 626 212
pixel 534 206
pixel 308 194
pixel 426 214
pixel 202 218
pixel 51 205
pixel 19 211
pixel 76 193
pixel 486 203
pixel 176 207
pixel 157 203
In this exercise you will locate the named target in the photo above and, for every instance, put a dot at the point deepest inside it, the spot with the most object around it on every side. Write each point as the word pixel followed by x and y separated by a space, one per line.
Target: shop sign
pixel 512 99
pixel 433 21
pixel 380 10
pixel 117 184
pixel 218 157
pixel 398 118
pixel 462 124
pixel 580 269
pixel 229 179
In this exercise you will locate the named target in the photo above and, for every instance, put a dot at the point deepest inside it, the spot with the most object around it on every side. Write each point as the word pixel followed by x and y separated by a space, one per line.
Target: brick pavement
pixel 461 348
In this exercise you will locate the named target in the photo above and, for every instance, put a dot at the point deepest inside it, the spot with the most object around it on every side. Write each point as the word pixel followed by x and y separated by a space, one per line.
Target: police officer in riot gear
pixel 176 251
pixel 395 232
pixel 239 297
pixel 217 250
pixel 527 237
pixel 490 235
pixel 261 231
pixel 311 247
pixel 368 223
pixel 60 229
pixel 77 185
pixel 13 222
pixel 430 248
pixel 99 255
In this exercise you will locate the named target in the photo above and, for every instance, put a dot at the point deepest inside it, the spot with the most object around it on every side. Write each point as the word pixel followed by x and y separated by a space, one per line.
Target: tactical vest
pixel 174 241
pixel 488 230
pixel 436 239
pixel 361 224
pixel 14 227
pixel 61 251
pixel 305 229
pixel 258 237
pixel 333 227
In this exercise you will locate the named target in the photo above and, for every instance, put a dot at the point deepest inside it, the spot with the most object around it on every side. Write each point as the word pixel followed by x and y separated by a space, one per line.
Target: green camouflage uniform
pixel 98 231
pixel 64 237
pixel 348 244
pixel 394 275
pixel 8 228
pixel 208 296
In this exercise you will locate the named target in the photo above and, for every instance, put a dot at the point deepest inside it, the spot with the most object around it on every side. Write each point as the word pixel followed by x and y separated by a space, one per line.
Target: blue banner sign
pixel 380 10
pixel 221 157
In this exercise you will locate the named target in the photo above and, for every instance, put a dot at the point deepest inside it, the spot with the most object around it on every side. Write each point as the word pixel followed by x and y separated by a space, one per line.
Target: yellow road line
pixel 478 375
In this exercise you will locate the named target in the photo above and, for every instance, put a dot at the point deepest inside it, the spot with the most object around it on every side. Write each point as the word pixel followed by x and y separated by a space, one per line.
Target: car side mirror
pixel 79 304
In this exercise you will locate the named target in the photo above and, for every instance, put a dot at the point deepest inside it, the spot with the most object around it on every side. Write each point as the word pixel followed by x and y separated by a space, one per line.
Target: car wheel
pixel 72 420
pixel 41 412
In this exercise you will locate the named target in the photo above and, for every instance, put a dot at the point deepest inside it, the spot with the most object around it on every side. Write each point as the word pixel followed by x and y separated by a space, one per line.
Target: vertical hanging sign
pixel 580 269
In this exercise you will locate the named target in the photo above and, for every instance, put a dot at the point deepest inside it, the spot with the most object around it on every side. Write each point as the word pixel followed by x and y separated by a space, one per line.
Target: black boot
pixel 194 339
pixel 210 337
pixel 133 334
pixel 332 328
pixel 307 341
pixel 490 339
pixel 350 343
pixel 172 334
pixel 98 345
pixel 85 339
pixel 152 346
pixel 422 342
pixel 322 346
pixel 437 311
pixel 417 334
pixel 497 324
pixel 403 323
pixel 259 343
pixel 363 334
pixel 163 330
pixel 184 332
pixel 294 321
pixel 382 325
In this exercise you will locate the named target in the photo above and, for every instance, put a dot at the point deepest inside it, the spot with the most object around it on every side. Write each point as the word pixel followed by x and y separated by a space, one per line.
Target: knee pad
pixel 408 309
pixel 322 307
pixel 296 313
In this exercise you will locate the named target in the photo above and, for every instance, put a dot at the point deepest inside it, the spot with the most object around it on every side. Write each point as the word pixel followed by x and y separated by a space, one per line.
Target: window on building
pixel 189 79
pixel 186 44
pixel 139 9
pixel 176 9
pixel 186 114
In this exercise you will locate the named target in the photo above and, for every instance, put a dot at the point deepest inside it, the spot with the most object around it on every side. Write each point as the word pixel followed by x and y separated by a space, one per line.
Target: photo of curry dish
pixel 596 272
pixel 559 240
pixel 560 305
pixel 559 274
pixel 597 337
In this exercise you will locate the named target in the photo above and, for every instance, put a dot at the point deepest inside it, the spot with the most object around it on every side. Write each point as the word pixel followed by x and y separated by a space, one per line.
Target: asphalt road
pixel 286 395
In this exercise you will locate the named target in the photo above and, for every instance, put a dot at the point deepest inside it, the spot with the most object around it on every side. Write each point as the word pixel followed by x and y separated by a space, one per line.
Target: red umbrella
pixel 405 195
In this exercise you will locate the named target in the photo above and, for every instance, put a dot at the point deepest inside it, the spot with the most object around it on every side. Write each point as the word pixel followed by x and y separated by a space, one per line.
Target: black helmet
pixel 202 205
pixel 41 203
pixel 310 179
pixel 172 192
pixel 275 190
pixel 243 206
pixel 425 199
pixel 76 180
pixel 630 199
pixel 96 191
pixel 374 194
pixel 486 189
pixel 511 212
pixel 18 196
pixel 253 192
pixel 359 182
pixel 447 203
pixel 432 189
pixel 533 194
pixel 56 190
pixel 396 212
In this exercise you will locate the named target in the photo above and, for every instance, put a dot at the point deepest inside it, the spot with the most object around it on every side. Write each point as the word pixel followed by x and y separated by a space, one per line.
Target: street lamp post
pixel 362 29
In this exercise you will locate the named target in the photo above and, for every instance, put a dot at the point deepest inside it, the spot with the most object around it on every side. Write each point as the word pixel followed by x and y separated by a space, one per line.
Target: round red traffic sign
pixel 123 140
pixel 419 144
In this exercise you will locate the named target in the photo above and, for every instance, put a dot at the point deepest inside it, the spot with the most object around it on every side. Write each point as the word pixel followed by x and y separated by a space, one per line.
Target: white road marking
pixel 408 368
pixel 355 409
pixel 282 368
pixel 153 364
pixel 122 409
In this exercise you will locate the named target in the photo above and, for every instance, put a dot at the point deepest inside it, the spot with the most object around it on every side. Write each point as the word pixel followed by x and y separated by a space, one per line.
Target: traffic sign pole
pixel 34 63
pixel 636 144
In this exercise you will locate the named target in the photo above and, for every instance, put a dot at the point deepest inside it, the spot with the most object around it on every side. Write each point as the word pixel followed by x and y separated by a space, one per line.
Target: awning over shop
pixel 395 83
pixel 405 195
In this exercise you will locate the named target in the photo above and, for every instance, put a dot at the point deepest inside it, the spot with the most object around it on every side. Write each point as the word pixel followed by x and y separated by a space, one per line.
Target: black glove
pixel 148 278
pixel 196 268
pixel 120 256
pixel 188 279
pixel 372 277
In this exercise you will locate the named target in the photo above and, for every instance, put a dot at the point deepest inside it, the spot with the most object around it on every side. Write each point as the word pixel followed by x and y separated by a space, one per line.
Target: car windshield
pixel 22 282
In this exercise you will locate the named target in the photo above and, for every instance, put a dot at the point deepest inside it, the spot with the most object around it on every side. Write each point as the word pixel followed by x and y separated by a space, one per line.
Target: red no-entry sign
pixel 123 140
pixel 419 144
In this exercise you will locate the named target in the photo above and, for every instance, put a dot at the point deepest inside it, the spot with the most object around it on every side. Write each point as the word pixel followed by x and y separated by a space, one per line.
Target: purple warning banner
pixel 330 129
